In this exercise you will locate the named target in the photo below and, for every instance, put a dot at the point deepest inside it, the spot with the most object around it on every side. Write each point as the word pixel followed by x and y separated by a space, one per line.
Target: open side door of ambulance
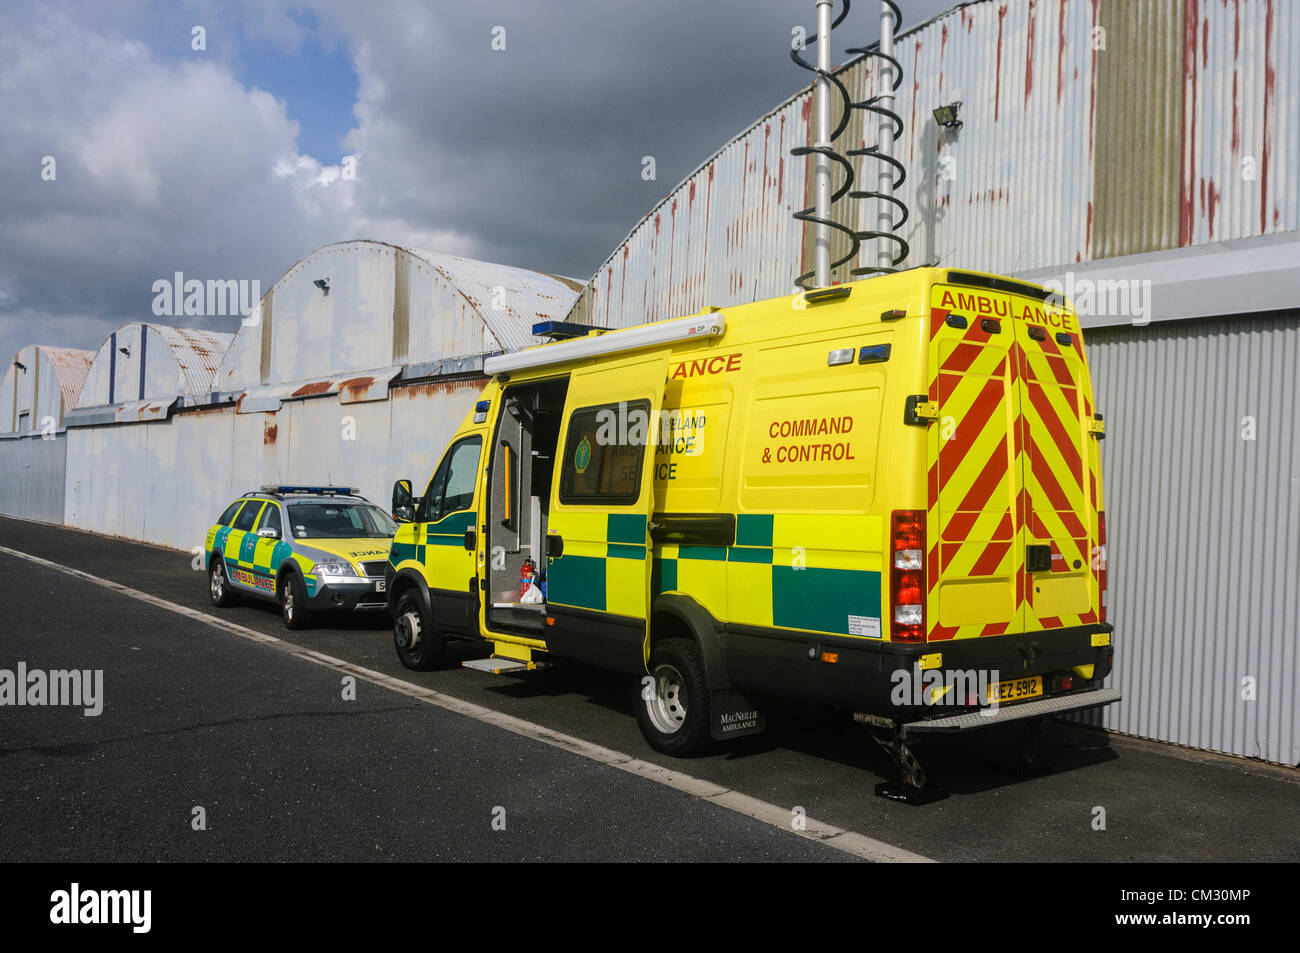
pixel 598 548
pixel 1013 485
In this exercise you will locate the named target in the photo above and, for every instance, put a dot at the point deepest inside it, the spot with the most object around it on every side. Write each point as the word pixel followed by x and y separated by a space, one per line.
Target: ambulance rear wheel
pixel 418 646
pixel 293 602
pixel 219 588
pixel 673 704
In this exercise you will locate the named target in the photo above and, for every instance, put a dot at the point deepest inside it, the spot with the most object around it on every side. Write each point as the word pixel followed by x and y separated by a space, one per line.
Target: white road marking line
pixel 858 845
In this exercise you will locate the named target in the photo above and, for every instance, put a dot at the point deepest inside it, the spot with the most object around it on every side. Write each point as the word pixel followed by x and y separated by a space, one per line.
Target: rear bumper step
pixel 1006 713
pixel 502 666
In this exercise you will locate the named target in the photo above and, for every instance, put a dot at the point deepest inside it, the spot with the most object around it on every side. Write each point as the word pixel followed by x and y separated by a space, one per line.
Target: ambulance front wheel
pixel 219 587
pixel 293 602
pixel 673 701
pixel 418 646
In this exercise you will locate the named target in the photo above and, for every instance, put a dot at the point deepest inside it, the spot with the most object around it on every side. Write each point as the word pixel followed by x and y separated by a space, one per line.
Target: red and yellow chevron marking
pixel 1006 469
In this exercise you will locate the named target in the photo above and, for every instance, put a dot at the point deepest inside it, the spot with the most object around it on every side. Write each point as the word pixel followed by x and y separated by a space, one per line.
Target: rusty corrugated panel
pixel 724 235
pixel 401 306
pixel 1138 127
pixel 1061 101
pixel 1190 123
pixel 198 353
pixel 70 366
pixel 508 300
pixel 350 388
pixel 1241 137
pixel 264 332
pixel 142 411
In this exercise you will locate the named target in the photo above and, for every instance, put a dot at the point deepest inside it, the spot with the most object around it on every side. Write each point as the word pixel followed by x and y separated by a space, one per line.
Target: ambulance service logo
pixel 582 456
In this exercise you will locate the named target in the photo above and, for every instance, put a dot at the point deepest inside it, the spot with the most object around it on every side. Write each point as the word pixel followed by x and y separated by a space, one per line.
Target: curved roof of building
pixel 189 361
pixel 369 308
pixel 526 297
pixel 197 352
pixel 70 366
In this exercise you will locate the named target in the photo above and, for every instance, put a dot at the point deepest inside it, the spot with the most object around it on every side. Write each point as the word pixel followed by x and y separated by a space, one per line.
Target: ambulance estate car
pixel 883 496
pixel 307 548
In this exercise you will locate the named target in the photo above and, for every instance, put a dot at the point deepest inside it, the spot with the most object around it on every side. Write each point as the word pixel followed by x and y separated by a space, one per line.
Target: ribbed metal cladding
pixel 1090 129
pixel 1139 114
pixel 1204 530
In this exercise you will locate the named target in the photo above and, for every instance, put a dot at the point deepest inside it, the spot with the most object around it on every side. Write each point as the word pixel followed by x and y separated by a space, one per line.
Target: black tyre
pixel 293 602
pixel 219 588
pixel 673 700
pixel 418 646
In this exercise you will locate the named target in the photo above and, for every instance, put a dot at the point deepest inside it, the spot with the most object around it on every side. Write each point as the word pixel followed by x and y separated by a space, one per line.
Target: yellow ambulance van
pixel 883 496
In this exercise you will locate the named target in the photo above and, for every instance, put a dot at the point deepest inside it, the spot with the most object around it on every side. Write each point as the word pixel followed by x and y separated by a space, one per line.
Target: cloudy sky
pixel 229 161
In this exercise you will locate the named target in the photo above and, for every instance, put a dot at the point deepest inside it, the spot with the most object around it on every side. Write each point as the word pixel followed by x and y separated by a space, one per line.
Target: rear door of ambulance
pixel 1012 495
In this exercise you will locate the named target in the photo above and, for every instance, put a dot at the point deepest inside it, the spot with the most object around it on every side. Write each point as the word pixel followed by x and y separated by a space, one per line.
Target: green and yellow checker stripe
pixel 769 578
pixel 448 531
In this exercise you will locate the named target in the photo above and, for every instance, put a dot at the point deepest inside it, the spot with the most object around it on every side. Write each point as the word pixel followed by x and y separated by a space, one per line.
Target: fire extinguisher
pixel 527 576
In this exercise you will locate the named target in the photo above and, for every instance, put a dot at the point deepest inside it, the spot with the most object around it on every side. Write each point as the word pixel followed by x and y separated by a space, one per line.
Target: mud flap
pixel 733 715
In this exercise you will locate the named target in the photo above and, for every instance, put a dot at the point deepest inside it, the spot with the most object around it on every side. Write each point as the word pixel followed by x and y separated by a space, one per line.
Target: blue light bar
pixel 482 406
pixel 319 490
pixel 562 330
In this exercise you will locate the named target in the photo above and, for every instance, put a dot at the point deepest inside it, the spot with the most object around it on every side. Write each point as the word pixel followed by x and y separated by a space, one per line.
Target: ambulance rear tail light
pixel 907 576
pixel 1100 557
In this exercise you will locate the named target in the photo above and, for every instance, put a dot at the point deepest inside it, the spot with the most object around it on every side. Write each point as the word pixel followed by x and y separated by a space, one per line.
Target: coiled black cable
pixel 872 105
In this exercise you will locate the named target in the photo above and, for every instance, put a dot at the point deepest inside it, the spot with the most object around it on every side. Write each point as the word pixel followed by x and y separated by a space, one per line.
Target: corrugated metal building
pixel 1090 129
pixel 141 369
pixel 1150 148
pixel 40 385
pixel 354 369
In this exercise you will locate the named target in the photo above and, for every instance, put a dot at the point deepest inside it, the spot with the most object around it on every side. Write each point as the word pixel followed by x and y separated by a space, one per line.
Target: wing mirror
pixel 403 502
pixel 269 532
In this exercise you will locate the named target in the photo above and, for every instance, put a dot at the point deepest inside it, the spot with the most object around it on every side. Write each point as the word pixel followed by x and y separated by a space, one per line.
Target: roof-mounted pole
pixel 885 136
pixel 822 169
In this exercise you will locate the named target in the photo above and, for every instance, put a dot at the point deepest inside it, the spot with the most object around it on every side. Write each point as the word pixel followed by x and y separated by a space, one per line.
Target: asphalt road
pixel 286 768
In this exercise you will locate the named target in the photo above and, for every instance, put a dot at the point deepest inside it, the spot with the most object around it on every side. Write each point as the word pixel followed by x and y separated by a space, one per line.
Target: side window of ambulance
pixel 229 515
pixel 452 486
pixel 604 452
pixel 271 520
pixel 247 516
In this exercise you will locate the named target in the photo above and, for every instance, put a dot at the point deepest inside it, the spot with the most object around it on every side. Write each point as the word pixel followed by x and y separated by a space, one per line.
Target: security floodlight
pixel 324 285
pixel 946 116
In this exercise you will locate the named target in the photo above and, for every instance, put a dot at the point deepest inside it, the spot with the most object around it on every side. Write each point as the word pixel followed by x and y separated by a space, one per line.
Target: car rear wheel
pixel 418 646
pixel 293 602
pixel 219 588
pixel 673 706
